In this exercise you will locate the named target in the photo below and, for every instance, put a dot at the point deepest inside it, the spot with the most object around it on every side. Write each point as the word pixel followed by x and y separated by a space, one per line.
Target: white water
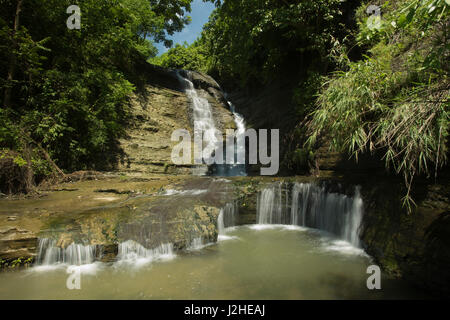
pixel 238 151
pixel 196 244
pixel 227 217
pixel 203 118
pixel 131 252
pixel 311 206
pixel 193 192
pixel 271 207
pixel 74 254
pixel 49 255
pixel 227 220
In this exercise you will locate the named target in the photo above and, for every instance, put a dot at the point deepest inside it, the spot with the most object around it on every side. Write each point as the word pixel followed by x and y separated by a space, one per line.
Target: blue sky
pixel 199 14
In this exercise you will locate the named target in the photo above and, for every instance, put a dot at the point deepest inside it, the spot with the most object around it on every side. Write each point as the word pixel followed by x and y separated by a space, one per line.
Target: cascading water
pixel 204 121
pixel 202 114
pixel 196 244
pixel 311 206
pixel 227 218
pixel 74 254
pixel 270 209
pixel 131 251
pixel 239 151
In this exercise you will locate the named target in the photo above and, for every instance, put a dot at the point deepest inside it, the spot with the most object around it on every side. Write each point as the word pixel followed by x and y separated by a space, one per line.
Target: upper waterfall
pixel 202 114
pixel 205 122
pixel 238 151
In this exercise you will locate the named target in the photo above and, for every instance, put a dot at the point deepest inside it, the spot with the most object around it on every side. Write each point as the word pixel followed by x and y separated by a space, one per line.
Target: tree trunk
pixel 13 59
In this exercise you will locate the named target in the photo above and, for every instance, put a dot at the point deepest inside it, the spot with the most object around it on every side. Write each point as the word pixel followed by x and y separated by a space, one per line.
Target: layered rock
pixel 414 246
pixel 17 243
pixel 158 110
pixel 150 213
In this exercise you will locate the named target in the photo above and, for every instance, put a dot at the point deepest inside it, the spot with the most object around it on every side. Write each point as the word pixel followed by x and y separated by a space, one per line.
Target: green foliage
pixel 255 39
pixel 16 262
pixel 395 99
pixel 70 88
pixel 304 95
pixel 303 157
pixel 188 57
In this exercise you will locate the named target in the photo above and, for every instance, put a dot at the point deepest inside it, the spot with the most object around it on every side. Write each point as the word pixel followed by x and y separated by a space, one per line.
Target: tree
pixel 12 59
pixel 65 92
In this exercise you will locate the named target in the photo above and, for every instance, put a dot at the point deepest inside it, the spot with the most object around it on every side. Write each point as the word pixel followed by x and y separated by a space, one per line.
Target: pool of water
pixel 248 262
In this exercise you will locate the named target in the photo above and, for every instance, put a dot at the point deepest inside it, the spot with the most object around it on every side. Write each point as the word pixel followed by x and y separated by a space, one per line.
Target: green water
pixel 252 263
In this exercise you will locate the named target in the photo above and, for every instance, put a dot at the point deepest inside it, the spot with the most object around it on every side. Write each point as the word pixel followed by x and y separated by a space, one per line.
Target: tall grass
pixel 397 98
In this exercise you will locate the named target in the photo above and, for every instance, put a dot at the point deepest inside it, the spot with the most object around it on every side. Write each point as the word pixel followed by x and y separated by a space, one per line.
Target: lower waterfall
pixel 74 254
pixel 310 205
pixel 196 244
pixel 131 251
pixel 227 217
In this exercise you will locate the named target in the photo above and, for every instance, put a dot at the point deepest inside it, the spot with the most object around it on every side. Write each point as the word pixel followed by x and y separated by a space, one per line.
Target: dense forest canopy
pixel 253 40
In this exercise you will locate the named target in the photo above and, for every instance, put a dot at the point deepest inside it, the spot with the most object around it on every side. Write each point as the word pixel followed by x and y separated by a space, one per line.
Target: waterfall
pixel 312 206
pixel 74 254
pixel 196 244
pixel 236 169
pixel 227 217
pixel 270 206
pixel 131 251
pixel 355 219
pixel 204 121
pixel 202 114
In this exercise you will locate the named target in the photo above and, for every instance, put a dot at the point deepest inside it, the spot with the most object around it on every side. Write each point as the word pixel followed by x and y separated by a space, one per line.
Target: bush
pixel 395 99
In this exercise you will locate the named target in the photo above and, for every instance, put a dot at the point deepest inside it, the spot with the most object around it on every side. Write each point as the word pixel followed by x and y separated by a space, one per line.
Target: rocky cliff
pixel 158 108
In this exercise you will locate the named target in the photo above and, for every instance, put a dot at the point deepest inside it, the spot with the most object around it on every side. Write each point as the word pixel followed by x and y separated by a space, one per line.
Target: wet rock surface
pixel 149 212
pixel 159 110
pixel 16 243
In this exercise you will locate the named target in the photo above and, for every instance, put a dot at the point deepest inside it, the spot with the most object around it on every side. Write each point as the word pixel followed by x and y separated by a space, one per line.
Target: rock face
pixel 176 217
pixel 16 243
pixel 158 110
pixel 268 107
pixel 175 214
pixel 414 246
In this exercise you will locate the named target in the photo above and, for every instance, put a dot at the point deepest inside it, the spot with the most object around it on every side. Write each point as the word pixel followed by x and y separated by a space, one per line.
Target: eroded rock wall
pixel 159 109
